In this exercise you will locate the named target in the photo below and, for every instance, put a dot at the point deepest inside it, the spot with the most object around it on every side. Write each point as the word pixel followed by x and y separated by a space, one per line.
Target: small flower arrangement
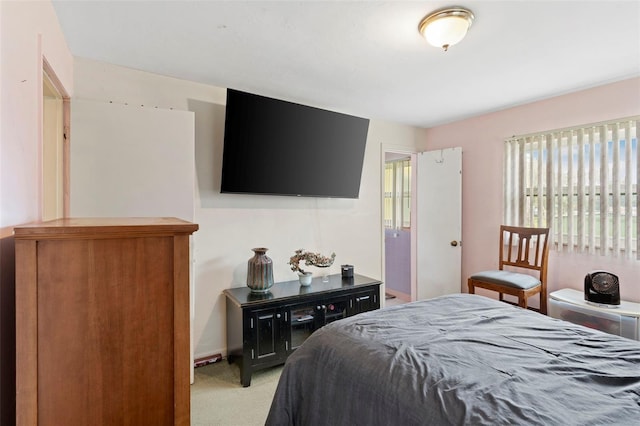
pixel 310 259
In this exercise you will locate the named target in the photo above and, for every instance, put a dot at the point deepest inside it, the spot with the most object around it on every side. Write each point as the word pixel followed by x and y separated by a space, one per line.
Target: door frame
pixel 50 78
pixel 412 153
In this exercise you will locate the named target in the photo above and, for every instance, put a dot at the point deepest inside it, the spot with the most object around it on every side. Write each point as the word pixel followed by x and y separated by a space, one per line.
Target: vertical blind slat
pixel 604 191
pixel 540 187
pixel 514 187
pixel 521 182
pixel 615 190
pixel 398 191
pixel 506 199
pixel 394 216
pixel 529 183
pixel 550 187
pixel 512 196
pixel 558 205
pixel 637 126
pixel 592 191
pixel 628 191
pixel 581 192
pixel 570 193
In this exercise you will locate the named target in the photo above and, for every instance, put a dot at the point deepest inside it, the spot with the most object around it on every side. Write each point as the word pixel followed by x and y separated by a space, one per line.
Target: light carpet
pixel 218 398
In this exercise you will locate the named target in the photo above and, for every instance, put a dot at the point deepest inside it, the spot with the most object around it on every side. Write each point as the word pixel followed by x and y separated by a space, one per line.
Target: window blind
pixel 582 182
pixel 397 194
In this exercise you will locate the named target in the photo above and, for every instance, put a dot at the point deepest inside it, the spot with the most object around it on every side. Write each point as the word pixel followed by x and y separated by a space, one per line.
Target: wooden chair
pixel 520 247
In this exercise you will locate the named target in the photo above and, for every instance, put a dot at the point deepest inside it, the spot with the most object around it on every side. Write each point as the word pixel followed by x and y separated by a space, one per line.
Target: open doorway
pixel 55 151
pixel 434 226
pixel 399 226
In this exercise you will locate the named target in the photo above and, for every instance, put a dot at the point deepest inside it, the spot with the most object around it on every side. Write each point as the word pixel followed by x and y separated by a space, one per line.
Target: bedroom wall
pixel 28 32
pixel 481 139
pixel 232 224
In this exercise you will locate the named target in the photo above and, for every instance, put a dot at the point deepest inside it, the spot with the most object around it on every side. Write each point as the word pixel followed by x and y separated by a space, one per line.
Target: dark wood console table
pixel 264 329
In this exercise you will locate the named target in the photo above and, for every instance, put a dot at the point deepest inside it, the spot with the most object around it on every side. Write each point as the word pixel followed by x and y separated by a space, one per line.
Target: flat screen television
pixel 276 147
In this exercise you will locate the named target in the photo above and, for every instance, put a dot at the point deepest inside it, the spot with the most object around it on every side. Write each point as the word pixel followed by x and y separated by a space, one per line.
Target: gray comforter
pixel 459 360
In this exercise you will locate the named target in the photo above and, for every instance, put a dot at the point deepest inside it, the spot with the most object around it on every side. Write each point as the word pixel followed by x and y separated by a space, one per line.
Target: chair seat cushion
pixel 507 278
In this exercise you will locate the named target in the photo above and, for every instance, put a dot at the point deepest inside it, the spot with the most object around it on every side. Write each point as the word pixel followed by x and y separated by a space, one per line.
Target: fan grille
pixel 605 283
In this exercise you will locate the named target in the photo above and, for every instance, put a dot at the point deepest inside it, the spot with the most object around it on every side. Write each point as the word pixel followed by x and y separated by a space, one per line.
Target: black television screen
pixel 282 148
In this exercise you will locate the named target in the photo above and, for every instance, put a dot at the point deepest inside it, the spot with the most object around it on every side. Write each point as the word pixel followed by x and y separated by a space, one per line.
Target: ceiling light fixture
pixel 446 27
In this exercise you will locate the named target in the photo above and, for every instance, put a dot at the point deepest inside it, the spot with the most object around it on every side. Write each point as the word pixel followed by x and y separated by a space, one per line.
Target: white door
pixel 439 222
pixel 133 161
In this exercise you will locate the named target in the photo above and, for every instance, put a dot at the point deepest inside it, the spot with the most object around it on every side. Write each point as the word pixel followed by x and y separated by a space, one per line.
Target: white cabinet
pixel 569 305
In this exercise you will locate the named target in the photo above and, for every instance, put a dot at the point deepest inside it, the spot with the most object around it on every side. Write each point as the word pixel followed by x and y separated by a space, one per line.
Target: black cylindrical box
pixel 347 271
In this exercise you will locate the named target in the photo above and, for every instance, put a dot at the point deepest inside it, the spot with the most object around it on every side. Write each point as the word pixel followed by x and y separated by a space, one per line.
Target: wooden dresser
pixel 102 322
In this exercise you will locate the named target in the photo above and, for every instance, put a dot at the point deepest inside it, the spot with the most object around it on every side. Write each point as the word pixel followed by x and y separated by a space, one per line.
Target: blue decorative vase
pixel 260 271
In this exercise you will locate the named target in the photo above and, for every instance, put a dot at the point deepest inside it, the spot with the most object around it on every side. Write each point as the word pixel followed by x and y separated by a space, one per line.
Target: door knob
pixel 454 243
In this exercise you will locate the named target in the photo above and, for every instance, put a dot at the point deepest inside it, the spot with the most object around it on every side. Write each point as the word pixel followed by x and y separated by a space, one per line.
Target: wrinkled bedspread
pixel 460 360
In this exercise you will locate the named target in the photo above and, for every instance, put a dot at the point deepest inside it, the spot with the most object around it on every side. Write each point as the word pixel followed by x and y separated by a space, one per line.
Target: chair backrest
pixel 524 248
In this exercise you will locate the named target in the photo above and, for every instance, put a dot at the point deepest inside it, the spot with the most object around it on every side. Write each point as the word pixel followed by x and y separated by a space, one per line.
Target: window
pixel 397 194
pixel 580 182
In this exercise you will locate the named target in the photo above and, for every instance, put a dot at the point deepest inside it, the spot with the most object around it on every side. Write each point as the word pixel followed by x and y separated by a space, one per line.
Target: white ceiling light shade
pixel 446 27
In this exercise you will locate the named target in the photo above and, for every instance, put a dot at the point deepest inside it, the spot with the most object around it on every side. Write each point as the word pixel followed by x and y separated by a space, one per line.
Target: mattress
pixel 459 360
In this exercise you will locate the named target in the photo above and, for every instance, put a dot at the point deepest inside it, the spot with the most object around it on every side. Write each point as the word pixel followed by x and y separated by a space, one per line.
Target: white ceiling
pixel 366 57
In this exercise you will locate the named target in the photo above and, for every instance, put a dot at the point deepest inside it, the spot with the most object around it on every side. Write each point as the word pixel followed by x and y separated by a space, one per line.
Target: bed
pixel 459 360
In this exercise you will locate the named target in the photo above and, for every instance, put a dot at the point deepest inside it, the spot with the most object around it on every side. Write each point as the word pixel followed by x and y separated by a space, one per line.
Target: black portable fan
pixel 602 288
